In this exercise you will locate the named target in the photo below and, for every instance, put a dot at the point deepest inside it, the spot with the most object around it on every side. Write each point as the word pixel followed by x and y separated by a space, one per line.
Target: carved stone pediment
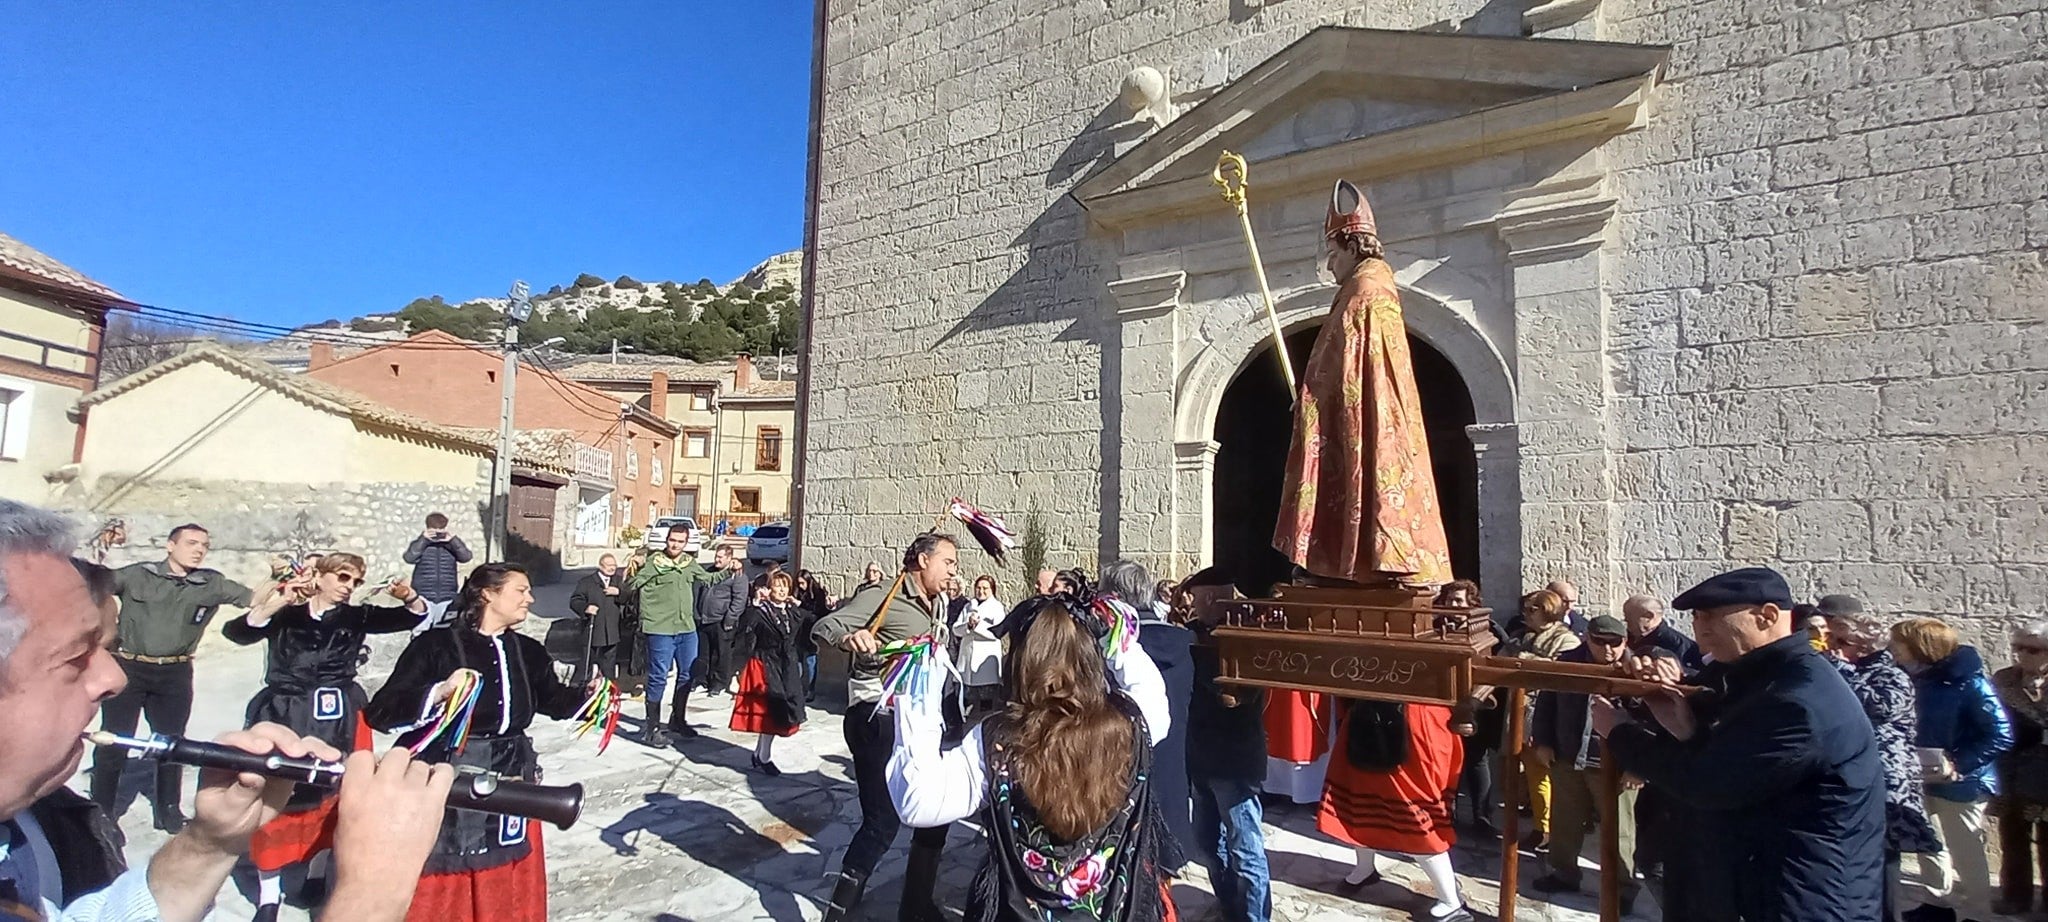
pixel 1363 103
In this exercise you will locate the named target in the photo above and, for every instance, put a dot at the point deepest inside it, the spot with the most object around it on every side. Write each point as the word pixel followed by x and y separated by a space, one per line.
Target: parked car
pixel 769 542
pixel 657 533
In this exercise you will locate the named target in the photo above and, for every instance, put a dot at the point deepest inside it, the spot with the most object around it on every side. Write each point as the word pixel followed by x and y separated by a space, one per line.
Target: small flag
pixel 988 531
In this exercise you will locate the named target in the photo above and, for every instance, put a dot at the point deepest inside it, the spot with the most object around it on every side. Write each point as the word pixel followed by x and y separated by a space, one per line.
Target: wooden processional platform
pixel 1390 644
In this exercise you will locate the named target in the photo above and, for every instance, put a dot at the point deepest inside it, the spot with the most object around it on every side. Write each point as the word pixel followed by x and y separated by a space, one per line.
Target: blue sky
pixel 291 162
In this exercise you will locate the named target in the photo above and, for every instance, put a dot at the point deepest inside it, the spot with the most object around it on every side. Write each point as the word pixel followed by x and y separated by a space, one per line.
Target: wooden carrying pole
pixel 1510 796
pixel 1230 177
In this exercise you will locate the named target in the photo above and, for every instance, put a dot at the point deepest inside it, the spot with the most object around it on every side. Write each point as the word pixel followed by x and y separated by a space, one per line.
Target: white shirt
pixel 931 787
pixel 981 652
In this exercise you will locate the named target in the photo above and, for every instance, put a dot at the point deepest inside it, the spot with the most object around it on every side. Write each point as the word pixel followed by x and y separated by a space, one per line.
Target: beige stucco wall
pixel 36 318
pixel 201 422
pixel 46 442
pixel 739 428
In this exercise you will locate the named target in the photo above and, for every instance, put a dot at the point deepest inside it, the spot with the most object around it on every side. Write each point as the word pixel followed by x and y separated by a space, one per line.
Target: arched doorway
pixel 1254 424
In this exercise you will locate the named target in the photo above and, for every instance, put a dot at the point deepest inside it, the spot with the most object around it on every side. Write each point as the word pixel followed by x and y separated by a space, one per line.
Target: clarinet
pixel 480 791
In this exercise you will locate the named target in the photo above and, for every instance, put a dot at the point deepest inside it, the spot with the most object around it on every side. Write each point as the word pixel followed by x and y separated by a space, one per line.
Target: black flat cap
pixel 1837 605
pixel 1747 586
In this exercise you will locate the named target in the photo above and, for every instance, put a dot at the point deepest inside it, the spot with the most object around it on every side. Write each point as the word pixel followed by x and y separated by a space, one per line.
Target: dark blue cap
pixel 1747 586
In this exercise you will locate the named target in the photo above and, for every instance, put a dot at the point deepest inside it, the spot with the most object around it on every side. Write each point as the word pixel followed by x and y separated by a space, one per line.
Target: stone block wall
pixel 1831 351
pixel 1821 326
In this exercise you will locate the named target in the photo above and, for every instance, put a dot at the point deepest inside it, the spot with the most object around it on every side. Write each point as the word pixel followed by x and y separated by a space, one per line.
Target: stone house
pixel 271 462
pixel 733 453
pixel 1690 285
pixel 52 318
pixel 622 453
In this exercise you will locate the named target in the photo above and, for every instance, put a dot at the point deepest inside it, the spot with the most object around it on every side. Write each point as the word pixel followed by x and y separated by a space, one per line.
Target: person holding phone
pixel 437 556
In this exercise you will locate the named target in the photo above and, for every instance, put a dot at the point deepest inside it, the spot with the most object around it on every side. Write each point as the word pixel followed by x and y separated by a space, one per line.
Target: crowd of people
pixel 1798 753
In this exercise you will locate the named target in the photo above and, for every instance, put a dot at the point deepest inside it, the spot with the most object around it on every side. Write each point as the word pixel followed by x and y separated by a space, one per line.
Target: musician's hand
pixel 229 806
pixel 386 822
pixel 861 641
pixel 1652 669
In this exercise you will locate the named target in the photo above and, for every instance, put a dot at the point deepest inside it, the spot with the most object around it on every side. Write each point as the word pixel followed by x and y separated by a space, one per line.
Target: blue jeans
pixel 811 673
pixel 1227 816
pixel 669 653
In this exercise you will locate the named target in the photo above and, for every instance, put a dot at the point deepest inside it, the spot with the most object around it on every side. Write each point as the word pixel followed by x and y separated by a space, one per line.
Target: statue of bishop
pixel 1360 505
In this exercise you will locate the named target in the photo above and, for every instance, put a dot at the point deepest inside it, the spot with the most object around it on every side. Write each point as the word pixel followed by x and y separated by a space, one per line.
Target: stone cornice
pixel 1603 110
pixel 1195 455
pixel 1556 220
pixel 1147 296
pixel 1557 14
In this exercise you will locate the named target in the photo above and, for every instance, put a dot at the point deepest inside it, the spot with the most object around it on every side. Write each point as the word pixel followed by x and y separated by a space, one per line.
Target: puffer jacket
pixel 1960 714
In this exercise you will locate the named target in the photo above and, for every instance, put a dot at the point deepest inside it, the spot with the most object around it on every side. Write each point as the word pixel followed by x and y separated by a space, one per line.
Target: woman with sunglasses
pixel 316 639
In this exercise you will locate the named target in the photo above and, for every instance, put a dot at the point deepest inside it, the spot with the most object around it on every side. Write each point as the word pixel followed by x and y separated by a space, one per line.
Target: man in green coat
pixel 667 584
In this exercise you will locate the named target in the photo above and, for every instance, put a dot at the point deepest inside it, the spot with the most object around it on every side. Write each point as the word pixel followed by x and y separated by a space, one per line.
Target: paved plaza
pixel 692 835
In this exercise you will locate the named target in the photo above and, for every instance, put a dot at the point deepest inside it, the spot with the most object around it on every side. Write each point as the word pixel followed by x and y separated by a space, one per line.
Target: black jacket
pixel 1224 743
pixel 1561 721
pixel 1167 645
pixel 1785 780
pixel 435 565
pixel 87 844
pixel 604 626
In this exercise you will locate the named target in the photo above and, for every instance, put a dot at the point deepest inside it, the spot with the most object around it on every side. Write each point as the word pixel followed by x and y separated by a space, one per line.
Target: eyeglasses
pixel 1606 640
pixel 2033 648
pixel 349 579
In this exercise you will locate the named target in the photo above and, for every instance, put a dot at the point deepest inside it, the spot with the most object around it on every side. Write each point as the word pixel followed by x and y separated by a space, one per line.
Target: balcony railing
pixel 54 356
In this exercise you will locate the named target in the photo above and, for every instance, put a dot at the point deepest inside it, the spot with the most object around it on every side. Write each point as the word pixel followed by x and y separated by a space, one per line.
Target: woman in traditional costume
pixel 1391 788
pixel 316 640
pixel 771 685
pixel 465 694
pixel 1061 776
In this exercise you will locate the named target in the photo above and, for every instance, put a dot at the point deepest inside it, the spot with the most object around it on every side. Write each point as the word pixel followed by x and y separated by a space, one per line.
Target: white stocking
pixel 269 888
pixel 761 748
pixel 1366 867
pixel 1441 876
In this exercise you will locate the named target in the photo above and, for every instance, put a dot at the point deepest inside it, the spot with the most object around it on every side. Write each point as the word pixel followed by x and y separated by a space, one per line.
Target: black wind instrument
pixel 483 792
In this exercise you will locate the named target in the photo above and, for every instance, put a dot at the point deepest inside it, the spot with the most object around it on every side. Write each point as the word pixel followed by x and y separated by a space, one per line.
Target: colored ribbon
pixel 601 708
pixel 452 723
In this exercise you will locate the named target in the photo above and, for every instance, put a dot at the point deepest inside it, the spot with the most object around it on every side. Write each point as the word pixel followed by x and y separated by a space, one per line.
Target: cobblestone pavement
pixel 681 835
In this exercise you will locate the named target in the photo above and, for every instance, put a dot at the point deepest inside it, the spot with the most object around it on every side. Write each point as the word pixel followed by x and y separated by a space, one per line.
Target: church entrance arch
pixel 1253 426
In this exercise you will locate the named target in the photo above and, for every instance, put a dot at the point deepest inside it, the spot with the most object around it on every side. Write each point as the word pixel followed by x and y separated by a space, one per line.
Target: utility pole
pixel 501 467
pixel 615 350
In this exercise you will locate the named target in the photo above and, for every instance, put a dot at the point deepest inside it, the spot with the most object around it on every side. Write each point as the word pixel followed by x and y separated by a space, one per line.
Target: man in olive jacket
pixel 667 585
pixel 862 627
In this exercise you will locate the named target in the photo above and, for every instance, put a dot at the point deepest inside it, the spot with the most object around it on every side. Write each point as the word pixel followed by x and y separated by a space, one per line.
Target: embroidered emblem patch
pixel 328 704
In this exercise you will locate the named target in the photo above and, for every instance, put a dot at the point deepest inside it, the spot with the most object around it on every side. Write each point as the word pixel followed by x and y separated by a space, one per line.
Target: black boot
pixel 652 734
pixel 678 722
pixel 920 878
pixel 170 817
pixel 266 912
pixel 846 896
pixel 107 763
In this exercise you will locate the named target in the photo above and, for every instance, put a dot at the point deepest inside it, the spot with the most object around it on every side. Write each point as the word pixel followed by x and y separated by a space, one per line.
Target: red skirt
pixel 513 892
pixel 1297 725
pixel 296 836
pixel 750 710
pixel 1405 810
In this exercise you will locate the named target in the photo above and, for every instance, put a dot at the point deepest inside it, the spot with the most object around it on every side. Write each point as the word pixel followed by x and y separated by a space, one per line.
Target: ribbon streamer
pixel 452 723
pixel 601 708
pixel 905 669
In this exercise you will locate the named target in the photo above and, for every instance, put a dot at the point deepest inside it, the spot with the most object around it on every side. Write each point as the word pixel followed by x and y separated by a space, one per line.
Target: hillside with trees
pixel 701 322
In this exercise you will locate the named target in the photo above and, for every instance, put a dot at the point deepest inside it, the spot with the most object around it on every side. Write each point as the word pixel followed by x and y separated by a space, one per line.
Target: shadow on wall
pixel 1060 286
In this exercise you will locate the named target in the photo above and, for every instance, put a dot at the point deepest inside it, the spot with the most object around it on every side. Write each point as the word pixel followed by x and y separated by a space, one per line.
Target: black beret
pixel 1837 605
pixel 1747 586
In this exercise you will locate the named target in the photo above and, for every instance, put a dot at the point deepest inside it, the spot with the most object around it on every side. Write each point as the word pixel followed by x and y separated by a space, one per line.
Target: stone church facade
pixel 1715 283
